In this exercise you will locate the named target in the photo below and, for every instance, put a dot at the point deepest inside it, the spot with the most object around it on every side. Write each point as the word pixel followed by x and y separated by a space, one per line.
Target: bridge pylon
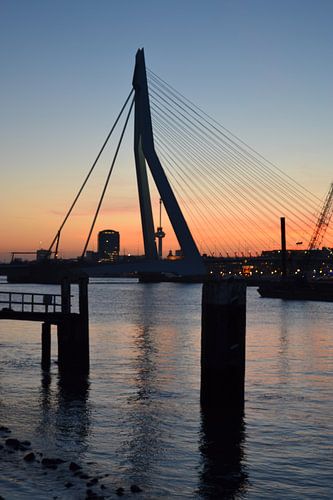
pixel 144 151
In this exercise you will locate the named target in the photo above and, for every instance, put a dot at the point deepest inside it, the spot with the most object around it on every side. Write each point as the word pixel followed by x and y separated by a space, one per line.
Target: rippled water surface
pixel 137 419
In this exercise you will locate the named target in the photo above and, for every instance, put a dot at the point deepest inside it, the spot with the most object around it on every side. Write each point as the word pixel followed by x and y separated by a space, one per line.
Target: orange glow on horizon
pixel 29 233
pixel 34 218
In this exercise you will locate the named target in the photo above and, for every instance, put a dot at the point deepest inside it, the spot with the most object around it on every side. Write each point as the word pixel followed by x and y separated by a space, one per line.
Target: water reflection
pixel 45 396
pixel 65 411
pixel 221 445
pixel 145 409
pixel 283 359
pixel 145 364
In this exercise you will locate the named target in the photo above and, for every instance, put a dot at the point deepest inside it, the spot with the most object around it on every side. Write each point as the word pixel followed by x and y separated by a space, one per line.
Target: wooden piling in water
pixel 46 346
pixel 223 344
pixel 65 296
pixel 84 321
pixel 73 331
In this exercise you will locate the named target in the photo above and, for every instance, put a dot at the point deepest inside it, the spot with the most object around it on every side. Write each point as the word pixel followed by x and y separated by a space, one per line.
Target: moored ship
pixel 297 289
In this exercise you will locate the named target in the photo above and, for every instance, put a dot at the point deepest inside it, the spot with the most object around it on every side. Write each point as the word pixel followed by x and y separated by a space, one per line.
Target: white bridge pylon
pixel 144 152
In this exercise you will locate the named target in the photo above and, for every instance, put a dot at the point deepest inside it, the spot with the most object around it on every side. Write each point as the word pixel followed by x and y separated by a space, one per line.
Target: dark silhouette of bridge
pixel 232 197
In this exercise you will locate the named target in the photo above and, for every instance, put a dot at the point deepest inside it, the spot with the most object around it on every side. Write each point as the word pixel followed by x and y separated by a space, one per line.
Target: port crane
pixel 323 221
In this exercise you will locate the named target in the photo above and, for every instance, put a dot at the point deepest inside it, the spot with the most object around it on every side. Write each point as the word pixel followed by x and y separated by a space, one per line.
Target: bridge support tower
pixel 144 150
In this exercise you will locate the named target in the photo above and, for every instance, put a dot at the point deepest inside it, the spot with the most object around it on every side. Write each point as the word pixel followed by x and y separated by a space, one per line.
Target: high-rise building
pixel 108 244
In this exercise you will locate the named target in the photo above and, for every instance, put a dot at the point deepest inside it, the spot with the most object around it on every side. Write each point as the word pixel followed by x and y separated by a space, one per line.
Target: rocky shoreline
pixel 74 476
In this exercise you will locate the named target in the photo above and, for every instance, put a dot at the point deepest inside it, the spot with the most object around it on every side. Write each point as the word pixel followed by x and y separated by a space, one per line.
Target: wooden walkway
pixel 54 309
pixel 26 306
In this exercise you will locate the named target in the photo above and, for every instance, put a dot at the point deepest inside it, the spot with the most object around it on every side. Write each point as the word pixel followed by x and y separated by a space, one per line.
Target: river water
pixel 137 419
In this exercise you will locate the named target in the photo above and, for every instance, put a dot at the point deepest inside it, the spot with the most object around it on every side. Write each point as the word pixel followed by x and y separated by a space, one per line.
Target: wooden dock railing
pixel 30 302
pixel 55 309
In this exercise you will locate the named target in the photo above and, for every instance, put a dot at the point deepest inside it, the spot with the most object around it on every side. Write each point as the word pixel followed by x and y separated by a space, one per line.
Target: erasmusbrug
pixel 216 190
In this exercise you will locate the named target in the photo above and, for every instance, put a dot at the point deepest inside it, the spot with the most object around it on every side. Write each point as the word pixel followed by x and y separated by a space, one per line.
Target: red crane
pixel 323 221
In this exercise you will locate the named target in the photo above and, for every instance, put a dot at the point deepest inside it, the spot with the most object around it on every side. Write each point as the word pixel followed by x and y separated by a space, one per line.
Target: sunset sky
pixel 262 68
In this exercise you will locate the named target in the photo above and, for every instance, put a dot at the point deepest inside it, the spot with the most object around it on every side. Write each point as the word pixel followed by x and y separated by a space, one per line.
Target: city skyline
pixel 259 68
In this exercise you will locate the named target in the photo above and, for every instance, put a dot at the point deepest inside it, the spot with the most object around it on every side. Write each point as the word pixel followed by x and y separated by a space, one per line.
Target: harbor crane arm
pixel 323 221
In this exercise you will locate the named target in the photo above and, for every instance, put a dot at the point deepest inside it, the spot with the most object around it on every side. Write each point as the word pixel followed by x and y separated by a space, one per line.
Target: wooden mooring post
pixel 223 344
pixel 72 327
pixel 65 296
pixel 73 330
pixel 46 346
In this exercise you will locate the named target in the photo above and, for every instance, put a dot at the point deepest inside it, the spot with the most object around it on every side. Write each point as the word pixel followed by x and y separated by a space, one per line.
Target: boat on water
pixel 299 288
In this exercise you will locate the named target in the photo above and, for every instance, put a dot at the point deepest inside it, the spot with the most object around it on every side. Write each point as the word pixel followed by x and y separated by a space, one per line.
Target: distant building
pixel 43 254
pixel 91 256
pixel 108 245
pixel 178 255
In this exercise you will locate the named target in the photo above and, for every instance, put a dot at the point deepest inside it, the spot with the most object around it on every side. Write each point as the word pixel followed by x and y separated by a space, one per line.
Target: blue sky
pixel 261 68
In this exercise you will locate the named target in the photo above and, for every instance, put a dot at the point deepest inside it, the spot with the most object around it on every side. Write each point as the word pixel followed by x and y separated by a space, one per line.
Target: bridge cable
pixel 197 110
pixel 200 166
pixel 240 163
pixel 294 189
pixel 233 158
pixel 242 158
pixel 196 180
pixel 108 178
pixel 241 152
pixel 210 172
pixel 180 173
pixel 214 202
pixel 205 208
pixel 197 174
pixel 57 236
pixel 171 171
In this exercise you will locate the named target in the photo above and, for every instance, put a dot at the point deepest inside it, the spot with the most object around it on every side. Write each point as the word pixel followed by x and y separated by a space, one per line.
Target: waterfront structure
pixel 187 261
pixel 323 221
pixel 160 234
pixel 55 309
pixel 42 254
pixel 108 245
pixel 145 154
